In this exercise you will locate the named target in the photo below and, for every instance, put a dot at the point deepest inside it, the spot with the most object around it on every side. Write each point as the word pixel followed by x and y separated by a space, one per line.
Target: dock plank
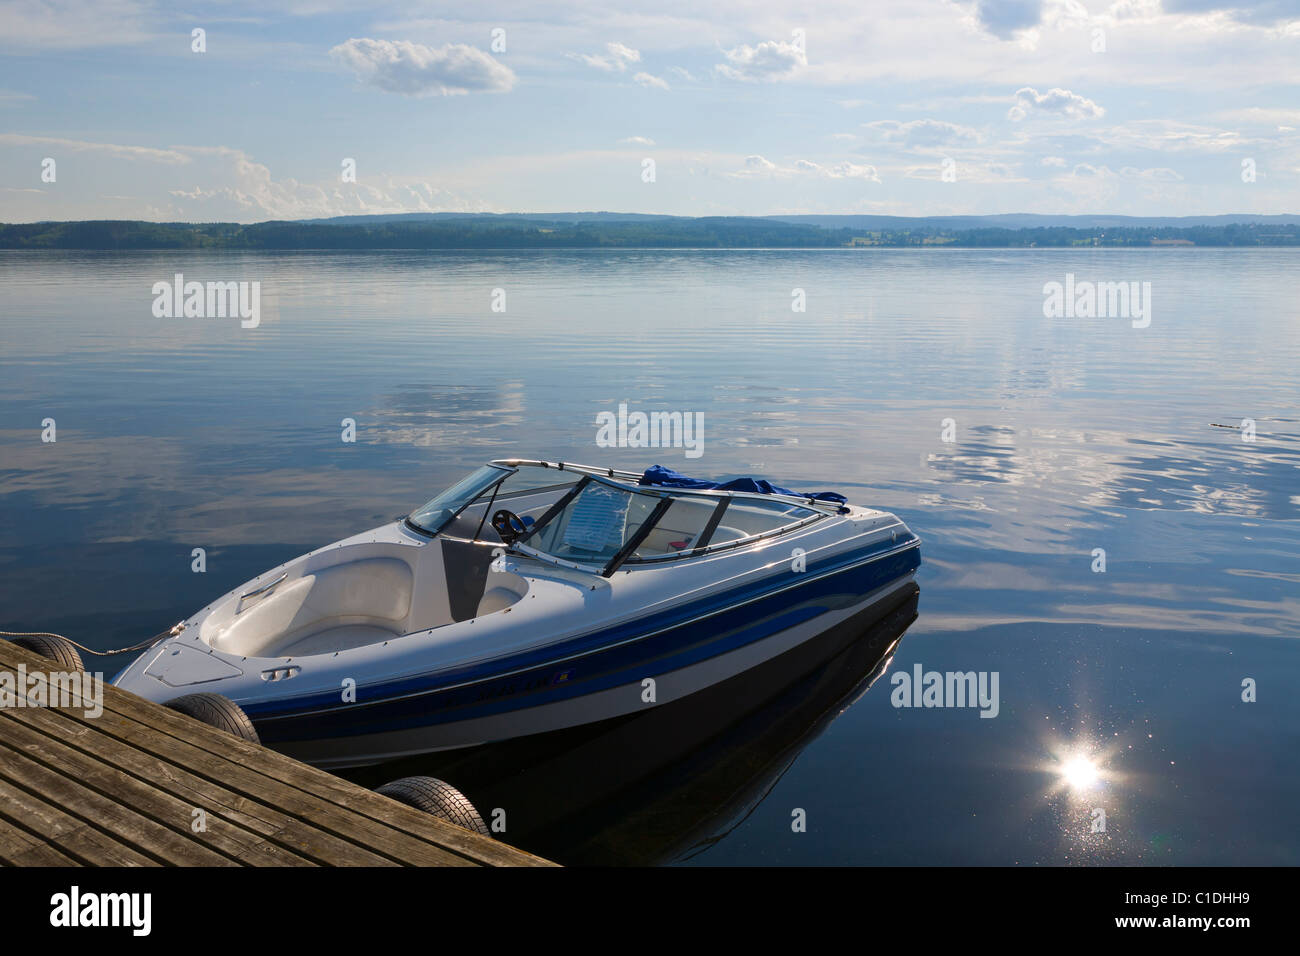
pixel 152 801
pixel 79 800
pixel 323 785
pixel 384 843
pixel 20 848
pixel 118 788
pixel 293 835
pixel 76 838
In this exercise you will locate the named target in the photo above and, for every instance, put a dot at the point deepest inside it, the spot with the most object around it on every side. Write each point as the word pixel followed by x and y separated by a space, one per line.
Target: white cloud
pixel 759 167
pixel 1053 161
pixel 1169 136
pixel 399 66
pixel 770 60
pixel 1159 174
pixel 637 141
pixel 170 156
pixel 841 170
pixel 653 82
pixel 923 132
pixel 1088 171
pixel 1259 12
pixel 236 187
pixel 1261 116
pixel 75 24
pixel 616 58
pixel 969 172
pixel 1056 102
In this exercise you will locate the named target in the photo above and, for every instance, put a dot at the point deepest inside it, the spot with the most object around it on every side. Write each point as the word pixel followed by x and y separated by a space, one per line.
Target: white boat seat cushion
pixel 374 592
pixel 374 587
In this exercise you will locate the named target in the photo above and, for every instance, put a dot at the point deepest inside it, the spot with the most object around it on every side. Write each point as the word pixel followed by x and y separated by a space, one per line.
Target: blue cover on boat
pixel 659 476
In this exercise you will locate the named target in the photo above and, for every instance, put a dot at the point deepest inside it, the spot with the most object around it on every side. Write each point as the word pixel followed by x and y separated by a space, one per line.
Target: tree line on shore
pixel 505 233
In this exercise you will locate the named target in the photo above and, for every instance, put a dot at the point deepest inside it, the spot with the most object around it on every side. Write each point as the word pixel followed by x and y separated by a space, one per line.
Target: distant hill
pixel 586 230
pixel 417 217
pixel 1025 220
pixel 1014 220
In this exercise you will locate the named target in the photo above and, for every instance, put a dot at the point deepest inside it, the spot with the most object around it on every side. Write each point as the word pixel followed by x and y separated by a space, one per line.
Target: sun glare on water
pixel 1079 773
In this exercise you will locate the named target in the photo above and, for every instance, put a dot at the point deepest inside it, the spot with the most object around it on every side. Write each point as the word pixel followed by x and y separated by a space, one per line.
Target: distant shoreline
pixel 487 232
pixel 544 250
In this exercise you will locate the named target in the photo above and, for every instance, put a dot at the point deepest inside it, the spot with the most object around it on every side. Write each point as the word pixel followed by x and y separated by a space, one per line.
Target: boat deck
pixel 142 785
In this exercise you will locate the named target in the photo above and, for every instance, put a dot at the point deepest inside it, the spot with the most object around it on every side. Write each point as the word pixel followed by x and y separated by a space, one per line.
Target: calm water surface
pixel 1071 435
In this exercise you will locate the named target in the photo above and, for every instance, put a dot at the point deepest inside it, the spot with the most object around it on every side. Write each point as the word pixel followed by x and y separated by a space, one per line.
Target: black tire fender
pixel 219 712
pixel 57 649
pixel 436 798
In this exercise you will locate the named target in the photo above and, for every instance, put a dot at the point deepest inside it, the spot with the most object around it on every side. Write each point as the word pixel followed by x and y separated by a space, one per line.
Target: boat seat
pixel 360 602
pixel 331 639
pixel 497 599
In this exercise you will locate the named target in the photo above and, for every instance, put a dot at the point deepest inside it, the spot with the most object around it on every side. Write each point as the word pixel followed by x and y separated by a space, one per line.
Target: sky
pixel 928 107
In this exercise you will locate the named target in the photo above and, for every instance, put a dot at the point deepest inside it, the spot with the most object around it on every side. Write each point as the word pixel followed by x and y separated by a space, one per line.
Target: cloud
pixel 248 192
pixel 1004 18
pixel 968 171
pixel 1053 161
pixel 637 141
pixel 170 156
pixel 1158 175
pixel 842 170
pixel 1262 116
pixel 1167 136
pixel 760 167
pixel 923 132
pixel 616 58
pixel 199 183
pixel 770 60
pixel 653 82
pixel 398 66
pixel 1260 12
pixel 76 24
pixel 1056 101
pixel 1133 10
pixel 1088 171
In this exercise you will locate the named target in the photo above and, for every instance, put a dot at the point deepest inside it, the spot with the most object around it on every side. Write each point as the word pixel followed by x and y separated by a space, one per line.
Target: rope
pixel 170 632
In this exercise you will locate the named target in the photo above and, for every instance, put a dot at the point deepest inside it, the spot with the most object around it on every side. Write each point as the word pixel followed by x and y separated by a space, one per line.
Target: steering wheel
pixel 508 525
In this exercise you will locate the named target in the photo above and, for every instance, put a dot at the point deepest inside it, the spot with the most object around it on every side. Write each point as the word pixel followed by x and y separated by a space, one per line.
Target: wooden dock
pixel 131 786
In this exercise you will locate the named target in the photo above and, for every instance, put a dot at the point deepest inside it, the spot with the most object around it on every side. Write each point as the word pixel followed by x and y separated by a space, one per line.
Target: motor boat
pixel 529 597
pixel 662 786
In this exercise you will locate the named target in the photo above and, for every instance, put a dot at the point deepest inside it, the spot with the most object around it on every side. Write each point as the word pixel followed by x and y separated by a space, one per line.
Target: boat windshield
pixel 596 524
pixel 438 513
pixel 607 525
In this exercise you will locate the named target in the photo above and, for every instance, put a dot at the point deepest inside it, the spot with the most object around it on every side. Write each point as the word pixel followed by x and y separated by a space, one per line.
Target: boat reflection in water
pixel 663 786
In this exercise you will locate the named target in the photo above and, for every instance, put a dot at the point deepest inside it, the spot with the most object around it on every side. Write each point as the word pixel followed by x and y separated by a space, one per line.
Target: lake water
pixel 1069 435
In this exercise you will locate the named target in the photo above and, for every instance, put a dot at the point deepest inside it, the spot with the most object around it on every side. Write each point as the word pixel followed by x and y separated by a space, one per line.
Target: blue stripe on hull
pixel 682 640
